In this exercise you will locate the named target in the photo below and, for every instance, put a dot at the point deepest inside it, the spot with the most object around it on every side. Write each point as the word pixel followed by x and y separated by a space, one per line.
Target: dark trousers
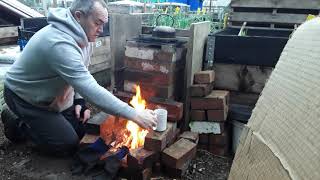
pixel 53 132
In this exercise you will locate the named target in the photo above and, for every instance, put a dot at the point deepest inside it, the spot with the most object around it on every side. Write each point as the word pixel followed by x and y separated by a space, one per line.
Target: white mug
pixel 162 115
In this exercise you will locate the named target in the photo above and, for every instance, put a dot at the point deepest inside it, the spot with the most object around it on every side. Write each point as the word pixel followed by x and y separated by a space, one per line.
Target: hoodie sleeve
pixel 66 60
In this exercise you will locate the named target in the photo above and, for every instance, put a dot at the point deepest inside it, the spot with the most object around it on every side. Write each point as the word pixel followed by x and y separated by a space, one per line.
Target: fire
pixel 137 102
pixel 138 134
pixel 122 132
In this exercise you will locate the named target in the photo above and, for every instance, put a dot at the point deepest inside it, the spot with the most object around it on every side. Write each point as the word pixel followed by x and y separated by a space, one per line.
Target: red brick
pixel 200 90
pixel 141 158
pixel 124 96
pixel 218 115
pixel 150 90
pixel 219 151
pixel 176 172
pixel 164 56
pixel 145 174
pixel 204 77
pixel 157 168
pixel 198 115
pixel 151 66
pixel 179 153
pixel 174 108
pixel 175 134
pixel 219 139
pixel 157 141
pixel 157 53
pixel 127 172
pixel 154 78
pixel 203 139
pixel 217 99
pixel 191 136
pixel 203 146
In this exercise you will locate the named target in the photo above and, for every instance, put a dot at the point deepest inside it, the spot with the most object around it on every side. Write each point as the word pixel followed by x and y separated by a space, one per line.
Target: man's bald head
pixel 85 6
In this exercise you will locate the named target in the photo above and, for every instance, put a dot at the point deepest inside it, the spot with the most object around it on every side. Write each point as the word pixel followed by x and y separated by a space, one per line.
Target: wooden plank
pixel 242 78
pixel 279 18
pixel 198 35
pixel 8 32
pixel 287 4
pixel 8 40
pixel 252 3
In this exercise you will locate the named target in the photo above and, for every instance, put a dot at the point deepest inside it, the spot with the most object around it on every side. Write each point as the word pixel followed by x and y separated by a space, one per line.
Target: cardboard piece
pixel 282 139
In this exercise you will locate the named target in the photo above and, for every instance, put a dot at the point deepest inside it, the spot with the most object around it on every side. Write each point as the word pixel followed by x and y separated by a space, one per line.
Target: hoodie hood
pixel 63 20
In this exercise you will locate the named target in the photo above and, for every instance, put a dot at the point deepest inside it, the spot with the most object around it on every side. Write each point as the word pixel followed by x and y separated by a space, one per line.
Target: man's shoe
pixel 10 122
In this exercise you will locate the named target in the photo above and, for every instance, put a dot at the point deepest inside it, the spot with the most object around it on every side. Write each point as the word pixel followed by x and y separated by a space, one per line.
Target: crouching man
pixel 46 84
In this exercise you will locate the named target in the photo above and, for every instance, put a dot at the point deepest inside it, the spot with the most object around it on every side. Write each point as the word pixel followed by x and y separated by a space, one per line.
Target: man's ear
pixel 77 15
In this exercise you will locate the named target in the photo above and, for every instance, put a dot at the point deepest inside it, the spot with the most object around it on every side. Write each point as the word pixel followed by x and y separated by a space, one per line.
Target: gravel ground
pixel 19 161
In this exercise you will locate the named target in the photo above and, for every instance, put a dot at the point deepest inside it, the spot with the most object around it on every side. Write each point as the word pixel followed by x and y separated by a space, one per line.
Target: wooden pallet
pixel 8 35
pixel 276 14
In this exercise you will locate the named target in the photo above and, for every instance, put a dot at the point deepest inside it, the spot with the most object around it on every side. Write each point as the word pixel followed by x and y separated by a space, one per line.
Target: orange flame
pixel 123 132
pixel 137 102
pixel 138 134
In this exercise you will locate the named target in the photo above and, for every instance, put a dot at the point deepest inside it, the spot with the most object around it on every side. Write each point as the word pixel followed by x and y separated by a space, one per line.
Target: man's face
pixel 92 23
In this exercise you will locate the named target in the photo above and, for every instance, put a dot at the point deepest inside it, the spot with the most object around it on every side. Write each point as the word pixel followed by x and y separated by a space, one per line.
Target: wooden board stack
pixel 277 14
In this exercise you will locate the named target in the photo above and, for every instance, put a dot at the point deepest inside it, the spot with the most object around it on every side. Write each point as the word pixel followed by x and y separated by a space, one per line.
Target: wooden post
pixel 198 35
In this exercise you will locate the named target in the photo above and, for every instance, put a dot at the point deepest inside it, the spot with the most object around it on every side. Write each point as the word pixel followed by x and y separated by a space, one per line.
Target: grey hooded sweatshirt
pixel 54 64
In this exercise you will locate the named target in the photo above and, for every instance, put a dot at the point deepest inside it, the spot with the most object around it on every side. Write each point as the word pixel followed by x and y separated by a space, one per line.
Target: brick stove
pixel 157 65
pixel 149 151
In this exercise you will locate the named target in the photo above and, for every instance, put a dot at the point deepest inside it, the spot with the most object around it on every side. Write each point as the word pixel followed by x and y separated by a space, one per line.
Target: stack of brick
pixel 175 151
pixel 209 109
pixel 169 151
pixel 157 68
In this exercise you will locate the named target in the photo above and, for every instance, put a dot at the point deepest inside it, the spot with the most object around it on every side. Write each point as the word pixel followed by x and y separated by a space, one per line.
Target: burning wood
pixel 124 132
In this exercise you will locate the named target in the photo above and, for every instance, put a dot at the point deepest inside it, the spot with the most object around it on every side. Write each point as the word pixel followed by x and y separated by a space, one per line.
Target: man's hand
pixel 81 110
pixel 86 113
pixel 146 119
